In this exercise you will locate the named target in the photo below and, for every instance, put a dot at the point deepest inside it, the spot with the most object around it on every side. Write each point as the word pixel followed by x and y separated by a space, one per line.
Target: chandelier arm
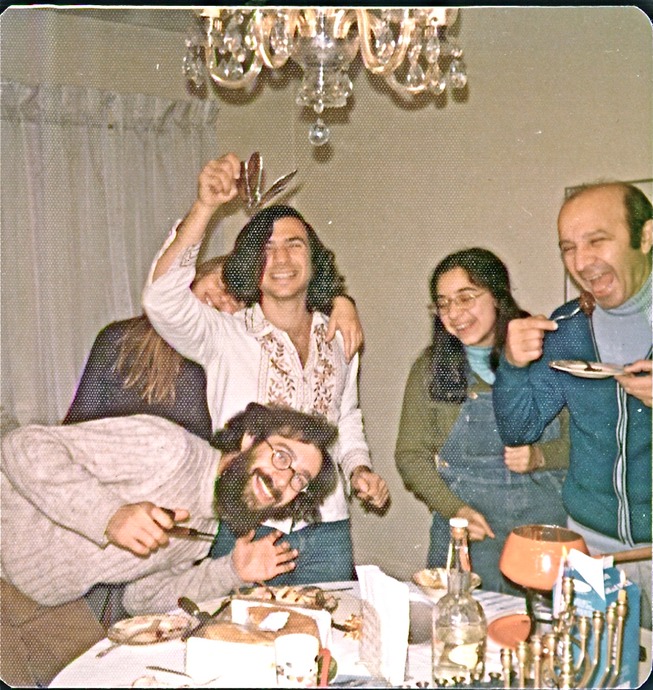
pixel 402 89
pixel 343 22
pixel 247 78
pixel 365 30
pixel 307 21
pixel 264 23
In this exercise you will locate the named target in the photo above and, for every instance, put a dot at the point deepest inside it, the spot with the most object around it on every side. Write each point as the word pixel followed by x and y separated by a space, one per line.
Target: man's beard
pixel 234 502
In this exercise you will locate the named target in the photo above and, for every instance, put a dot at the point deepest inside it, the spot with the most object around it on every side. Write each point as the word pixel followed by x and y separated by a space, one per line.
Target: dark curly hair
pixel 263 421
pixel 448 362
pixel 244 267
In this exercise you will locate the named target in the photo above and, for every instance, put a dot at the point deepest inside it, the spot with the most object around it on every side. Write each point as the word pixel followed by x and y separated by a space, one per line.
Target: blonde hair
pixel 146 361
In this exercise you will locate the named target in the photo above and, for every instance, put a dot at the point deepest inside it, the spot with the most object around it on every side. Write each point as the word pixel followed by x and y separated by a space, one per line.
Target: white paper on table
pixel 236 665
pixel 386 621
pixel 591 569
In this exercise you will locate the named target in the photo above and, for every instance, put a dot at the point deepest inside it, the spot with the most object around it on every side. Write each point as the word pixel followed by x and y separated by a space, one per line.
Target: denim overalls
pixel 471 462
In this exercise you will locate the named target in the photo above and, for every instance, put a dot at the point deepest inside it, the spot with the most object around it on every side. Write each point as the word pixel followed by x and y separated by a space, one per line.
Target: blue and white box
pixel 595 588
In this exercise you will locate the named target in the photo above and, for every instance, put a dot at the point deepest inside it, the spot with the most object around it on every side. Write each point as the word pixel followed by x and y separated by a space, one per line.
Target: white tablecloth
pixel 123 665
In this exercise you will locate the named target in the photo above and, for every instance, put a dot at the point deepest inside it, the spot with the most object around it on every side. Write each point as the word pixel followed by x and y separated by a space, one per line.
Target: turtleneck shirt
pixel 623 334
pixel 479 360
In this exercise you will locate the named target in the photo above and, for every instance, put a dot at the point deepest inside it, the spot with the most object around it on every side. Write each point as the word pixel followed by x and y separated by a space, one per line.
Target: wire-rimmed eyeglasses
pixel 282 460
pixel 465 300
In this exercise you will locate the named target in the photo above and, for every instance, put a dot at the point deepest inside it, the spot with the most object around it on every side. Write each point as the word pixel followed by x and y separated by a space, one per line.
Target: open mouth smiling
pixel 264 488
pixel 463 327
pixel 283 275
pixel 598 282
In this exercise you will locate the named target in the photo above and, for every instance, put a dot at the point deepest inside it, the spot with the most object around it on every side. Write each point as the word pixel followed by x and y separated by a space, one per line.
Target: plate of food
pixel 149 629
pixel 433 582
pixel 587 370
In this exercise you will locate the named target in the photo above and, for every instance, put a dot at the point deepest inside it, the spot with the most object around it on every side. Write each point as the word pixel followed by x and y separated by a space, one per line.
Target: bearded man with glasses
pixel 92 502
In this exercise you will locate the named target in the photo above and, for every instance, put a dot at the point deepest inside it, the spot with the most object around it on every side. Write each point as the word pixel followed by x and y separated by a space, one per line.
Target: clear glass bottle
pixel 459 625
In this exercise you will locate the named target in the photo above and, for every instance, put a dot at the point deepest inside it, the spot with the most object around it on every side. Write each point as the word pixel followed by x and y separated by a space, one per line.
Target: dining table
pixel 131 665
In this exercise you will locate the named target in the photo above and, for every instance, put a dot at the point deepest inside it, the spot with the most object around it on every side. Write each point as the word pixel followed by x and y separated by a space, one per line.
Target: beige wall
pixel 557 96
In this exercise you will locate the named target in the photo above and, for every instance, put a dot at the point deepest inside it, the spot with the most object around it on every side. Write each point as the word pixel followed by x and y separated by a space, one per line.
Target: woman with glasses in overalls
pixel 448 451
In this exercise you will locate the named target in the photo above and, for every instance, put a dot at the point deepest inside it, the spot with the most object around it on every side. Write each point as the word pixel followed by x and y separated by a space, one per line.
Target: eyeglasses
pixel 465 300
pixel 282 460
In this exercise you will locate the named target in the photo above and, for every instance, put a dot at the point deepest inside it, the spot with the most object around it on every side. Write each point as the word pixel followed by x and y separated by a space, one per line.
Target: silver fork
pixel 564 317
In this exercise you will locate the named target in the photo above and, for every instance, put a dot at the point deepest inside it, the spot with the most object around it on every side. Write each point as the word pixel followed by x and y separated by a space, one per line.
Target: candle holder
pixel 561 658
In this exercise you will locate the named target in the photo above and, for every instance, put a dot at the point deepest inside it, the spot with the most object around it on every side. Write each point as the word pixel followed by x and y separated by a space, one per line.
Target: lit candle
pixel 565 561
pixel 622 595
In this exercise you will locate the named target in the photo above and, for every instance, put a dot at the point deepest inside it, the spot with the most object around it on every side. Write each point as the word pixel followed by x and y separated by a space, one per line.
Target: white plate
pixel 433 582
pixel 579 368
pixel 145 630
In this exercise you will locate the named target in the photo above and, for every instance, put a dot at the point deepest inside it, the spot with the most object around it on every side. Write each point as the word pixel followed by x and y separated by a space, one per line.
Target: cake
pixel 240 651
pixel 253 632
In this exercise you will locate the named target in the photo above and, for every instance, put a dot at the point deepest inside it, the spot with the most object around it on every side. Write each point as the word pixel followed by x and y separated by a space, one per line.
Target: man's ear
pixel 647 237
pixel 246 441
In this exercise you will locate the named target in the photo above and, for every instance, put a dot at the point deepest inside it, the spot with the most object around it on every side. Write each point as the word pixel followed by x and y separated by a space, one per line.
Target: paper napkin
pixel 386 619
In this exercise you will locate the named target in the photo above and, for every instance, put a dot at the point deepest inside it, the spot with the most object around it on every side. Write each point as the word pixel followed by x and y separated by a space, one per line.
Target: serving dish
pixel 149 629
pixel 433 582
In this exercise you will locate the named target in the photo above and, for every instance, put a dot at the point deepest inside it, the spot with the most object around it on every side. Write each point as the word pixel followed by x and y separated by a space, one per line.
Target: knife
pixel 189 532
pixel 185 532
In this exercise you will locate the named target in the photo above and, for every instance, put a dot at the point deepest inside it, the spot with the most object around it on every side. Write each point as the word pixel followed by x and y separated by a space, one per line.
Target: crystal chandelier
pixel 409 47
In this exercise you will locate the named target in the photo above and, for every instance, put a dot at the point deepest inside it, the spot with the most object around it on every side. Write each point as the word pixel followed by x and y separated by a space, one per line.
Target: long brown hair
pixel 448 361
pixel 244 268
pixel 145 361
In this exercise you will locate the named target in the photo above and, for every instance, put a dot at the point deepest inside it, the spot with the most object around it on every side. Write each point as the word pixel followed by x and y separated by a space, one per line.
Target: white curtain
pixel 91 182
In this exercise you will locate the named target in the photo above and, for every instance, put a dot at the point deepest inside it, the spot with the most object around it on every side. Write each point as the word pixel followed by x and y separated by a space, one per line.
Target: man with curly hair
pixel 279 349
pixel 93 502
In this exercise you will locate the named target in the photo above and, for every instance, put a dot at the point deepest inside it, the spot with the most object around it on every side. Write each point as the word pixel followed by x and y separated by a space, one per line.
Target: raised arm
pixel 192 328
pixel 216 186
pixel 525 394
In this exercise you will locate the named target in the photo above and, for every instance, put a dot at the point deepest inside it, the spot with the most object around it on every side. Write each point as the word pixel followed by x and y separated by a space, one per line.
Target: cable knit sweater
pixel 61 485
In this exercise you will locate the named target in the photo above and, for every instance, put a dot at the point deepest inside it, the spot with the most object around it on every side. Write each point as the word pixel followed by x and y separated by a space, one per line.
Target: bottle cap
pixel 458 522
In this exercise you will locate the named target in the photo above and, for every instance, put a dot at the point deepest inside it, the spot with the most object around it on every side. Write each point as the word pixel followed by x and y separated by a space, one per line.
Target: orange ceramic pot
pixel 532 553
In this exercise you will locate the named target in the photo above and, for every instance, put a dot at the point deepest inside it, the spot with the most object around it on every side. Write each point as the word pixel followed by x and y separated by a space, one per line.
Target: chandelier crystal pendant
pixel 408 47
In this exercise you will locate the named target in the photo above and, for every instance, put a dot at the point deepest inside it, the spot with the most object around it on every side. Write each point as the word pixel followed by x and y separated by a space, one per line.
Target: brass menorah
pixel 547 660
